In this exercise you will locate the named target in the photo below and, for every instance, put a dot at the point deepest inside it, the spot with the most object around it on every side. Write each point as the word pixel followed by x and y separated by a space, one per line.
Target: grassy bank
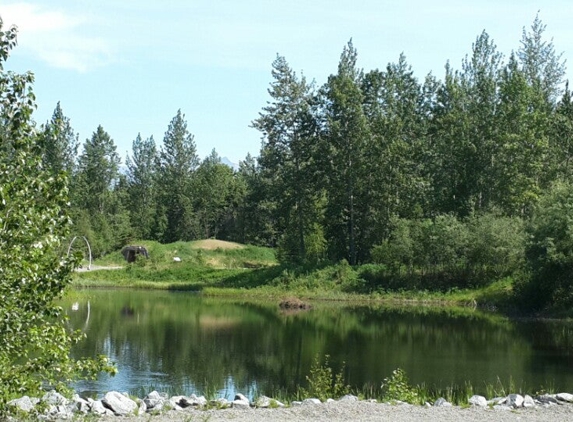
pixel 219 268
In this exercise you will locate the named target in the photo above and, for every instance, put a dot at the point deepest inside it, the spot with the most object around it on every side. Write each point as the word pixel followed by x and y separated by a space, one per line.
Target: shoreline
pixel 159 407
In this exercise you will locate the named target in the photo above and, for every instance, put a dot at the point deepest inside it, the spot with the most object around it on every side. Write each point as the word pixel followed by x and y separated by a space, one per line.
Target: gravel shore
pixel 364 411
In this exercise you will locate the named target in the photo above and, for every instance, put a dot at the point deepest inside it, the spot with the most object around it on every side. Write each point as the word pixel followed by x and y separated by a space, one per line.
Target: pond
pixel 183 343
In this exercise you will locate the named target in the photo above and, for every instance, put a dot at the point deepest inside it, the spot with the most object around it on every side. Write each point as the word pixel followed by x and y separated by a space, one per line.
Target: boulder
pixel 442 402
pixel 98 408
pixel 348 397
pixel 54 398
pixel 193 400
pixel 528 401
pixel 25 404
pixel 141 407
pixel 176 402
pixel 265 402
pixel 221 403
pixel 155 400
pixel 478 401
pixel 547 399
pixel 311 401
pixel 80 405
pixel 514 400
pixel 119 404
pixel 565 397
pixel 241 402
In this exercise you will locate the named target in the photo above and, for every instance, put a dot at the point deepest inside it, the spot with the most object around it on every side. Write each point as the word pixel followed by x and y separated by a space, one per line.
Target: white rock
pixel 98 408
pixel 296 403
pixel 514 400
pixel 120 405
pixel 479 401
pixel 155 400
pixel 54 398
pixel 442 402
pixel 311 401
pixel 565 397
pixel 241 402
pixel 348 397
pixel 528 401
pixel 25 404
pixel 502 407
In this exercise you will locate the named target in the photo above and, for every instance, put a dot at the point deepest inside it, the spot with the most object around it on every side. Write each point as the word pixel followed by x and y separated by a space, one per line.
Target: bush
pixel 550 251
pixel 323 383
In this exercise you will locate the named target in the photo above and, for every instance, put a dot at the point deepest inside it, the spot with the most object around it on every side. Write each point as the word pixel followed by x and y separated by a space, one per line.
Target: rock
pixel 193 400
pixel 266 402
pixel 528 401
pixel 565 397
pixel 442 402
pixel 177 402
pixel 25 404
pixel 329 400
pixel 220 403
pixel 155 400
pixel 496 400
pixel 54 398
pixel 99 409
pixel 502 407
pixel 296 403
pixel 514 400
pixel 311 401
pixel 241 402
pixel 478 401
pixel 141 407
pixel 59 412
pixel 348 397
pixel 119 404
pixel 80 405
pixel 547 399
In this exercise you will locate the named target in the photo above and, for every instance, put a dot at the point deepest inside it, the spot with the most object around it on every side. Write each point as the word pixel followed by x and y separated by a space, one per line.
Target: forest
pixel 429 184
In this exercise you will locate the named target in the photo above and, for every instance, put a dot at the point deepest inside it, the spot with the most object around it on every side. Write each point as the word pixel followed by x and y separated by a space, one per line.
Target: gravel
pixel 363 411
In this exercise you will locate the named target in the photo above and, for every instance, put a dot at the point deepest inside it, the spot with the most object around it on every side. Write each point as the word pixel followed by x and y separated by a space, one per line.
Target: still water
pixel 183 343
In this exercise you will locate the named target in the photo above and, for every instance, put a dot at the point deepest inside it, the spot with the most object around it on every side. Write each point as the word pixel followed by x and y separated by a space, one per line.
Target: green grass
pixel 253 272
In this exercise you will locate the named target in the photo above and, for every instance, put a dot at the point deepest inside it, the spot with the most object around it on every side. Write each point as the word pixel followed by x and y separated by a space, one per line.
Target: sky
pixel 130 65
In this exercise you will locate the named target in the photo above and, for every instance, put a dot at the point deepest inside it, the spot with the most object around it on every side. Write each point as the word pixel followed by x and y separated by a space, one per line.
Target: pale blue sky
pixel 130 65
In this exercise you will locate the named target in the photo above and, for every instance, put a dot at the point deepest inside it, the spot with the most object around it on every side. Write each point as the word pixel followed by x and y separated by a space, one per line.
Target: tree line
pixel 344 167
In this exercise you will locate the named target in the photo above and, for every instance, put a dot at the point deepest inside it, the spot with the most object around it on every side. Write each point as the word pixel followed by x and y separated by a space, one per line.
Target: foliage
pixel 397 388
pixel 448 252
pixel 323 383
pixel 550 250
pixel 33 225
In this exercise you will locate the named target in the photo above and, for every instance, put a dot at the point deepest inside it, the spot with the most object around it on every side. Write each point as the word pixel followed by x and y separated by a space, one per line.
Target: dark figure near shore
pixel 130 252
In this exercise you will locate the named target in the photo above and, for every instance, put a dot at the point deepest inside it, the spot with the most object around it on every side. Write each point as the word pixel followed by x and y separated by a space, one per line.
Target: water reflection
pixel 183 343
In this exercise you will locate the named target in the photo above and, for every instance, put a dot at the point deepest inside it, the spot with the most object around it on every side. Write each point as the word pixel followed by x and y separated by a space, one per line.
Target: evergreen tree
pixel 177 163
pixel 59 142
pixel 141 173
pixel 289 140
pixel 256 215
pixel 345 155
pixel 95 201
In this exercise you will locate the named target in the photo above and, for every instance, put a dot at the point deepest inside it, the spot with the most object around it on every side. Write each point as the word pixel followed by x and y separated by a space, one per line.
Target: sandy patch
pixel 211 244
